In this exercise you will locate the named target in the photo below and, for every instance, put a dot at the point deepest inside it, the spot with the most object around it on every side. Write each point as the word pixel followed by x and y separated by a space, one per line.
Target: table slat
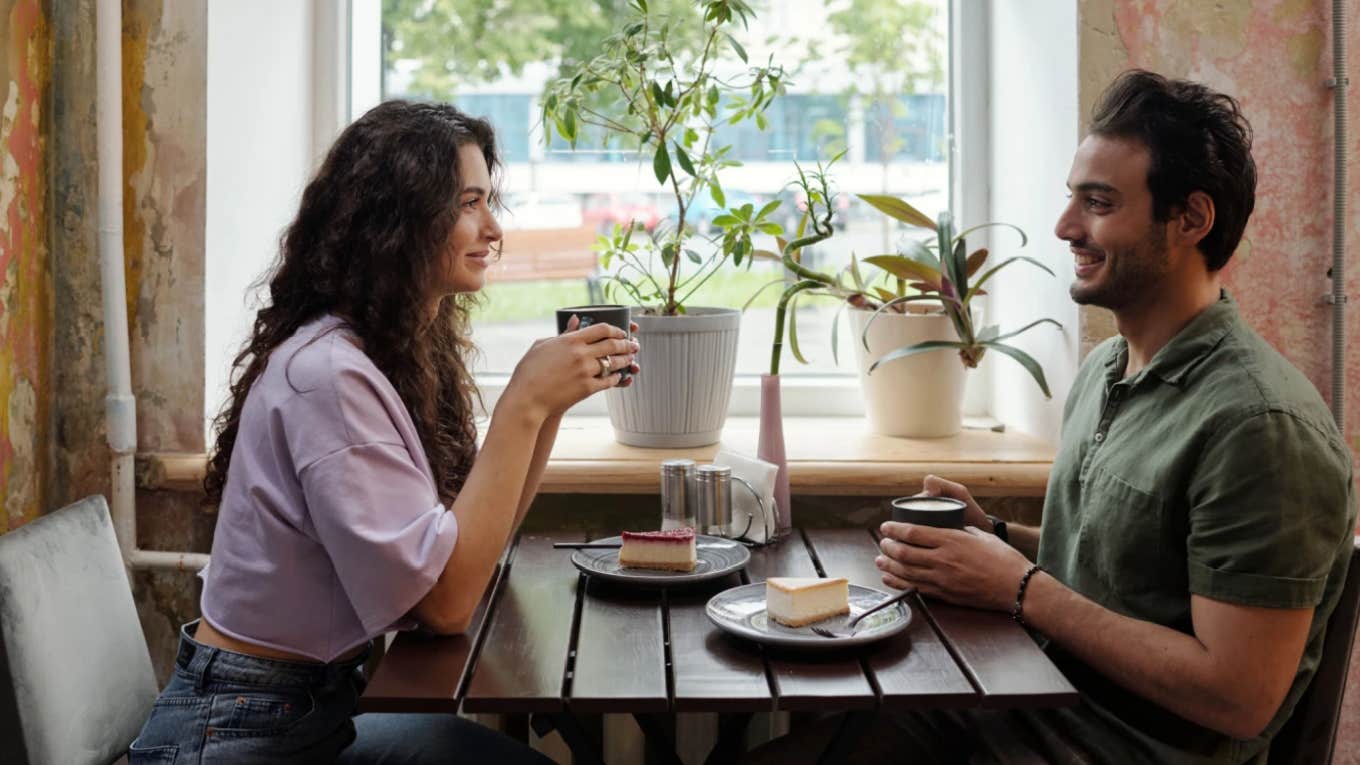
pixel 713 671
pixel 620 652
pixel 523 660
pixel 808 680
pixel 1002 660
pixel 914 668
pixel 422 673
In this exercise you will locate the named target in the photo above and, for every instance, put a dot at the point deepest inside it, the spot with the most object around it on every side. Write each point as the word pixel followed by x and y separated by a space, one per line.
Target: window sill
pixel 826 455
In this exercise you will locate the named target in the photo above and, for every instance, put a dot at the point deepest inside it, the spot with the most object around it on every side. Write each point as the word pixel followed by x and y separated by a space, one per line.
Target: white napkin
pixel 760 474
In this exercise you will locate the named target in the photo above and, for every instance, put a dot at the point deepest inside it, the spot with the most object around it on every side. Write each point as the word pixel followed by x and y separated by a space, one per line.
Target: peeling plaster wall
pixel 25 270
pixel 164 156
pixel 1273 56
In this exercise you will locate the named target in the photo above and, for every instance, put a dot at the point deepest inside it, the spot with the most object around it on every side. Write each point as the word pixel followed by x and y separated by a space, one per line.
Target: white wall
pixel 1034 125
pixel 278 93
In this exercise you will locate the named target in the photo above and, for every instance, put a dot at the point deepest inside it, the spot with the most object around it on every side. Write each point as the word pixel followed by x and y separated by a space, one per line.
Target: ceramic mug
pixel 940 512
pixel 620 316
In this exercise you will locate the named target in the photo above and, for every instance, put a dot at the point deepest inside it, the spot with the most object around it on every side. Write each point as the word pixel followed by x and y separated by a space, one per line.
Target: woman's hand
pixel 558 372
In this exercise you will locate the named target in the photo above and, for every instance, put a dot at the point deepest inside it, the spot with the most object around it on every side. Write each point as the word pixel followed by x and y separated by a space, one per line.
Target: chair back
pixel 1309 737
pixel 76 682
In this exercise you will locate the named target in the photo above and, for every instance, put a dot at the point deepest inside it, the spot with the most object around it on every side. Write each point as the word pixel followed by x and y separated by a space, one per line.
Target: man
pixel 1199 517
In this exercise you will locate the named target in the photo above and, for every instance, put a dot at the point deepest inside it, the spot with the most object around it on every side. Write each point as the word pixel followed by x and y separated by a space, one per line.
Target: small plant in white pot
pixel 655 90
pixel 914 321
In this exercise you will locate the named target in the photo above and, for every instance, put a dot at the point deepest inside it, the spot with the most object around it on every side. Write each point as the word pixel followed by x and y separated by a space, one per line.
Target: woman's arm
pixel 555 374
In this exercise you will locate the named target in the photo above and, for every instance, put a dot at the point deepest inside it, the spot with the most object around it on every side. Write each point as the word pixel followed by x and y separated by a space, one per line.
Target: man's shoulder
pixel 1245 375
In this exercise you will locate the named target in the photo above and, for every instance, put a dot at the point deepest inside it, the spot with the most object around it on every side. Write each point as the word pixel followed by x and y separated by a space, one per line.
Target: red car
pixel 603 211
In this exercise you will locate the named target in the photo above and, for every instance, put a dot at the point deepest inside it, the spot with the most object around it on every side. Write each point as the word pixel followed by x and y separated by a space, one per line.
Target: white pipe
pixel 120 407
pixel 1341 157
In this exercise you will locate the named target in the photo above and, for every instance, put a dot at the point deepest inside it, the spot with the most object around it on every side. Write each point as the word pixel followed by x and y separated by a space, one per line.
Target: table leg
pixel 660 739
pixel 731 741
pixel 584 750
pixel 852 728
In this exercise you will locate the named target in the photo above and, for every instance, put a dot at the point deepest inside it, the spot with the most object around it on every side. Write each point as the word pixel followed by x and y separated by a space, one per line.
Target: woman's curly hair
pixel 369 237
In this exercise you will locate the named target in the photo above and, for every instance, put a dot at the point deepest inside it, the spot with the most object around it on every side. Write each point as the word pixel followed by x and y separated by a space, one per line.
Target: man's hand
pixel 968 567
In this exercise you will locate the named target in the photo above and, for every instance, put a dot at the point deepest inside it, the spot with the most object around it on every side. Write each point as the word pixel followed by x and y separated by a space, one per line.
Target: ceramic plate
pixel 741 611
pixel 717 557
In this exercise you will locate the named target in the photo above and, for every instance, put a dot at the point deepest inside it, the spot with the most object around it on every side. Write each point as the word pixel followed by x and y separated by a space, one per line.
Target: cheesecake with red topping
pixel 659 550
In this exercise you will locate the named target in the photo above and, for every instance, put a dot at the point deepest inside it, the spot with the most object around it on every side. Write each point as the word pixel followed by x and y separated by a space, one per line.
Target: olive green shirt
pixel 1215 471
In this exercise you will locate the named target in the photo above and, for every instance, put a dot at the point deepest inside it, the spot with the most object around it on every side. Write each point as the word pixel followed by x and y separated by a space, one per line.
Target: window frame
pixel 801 394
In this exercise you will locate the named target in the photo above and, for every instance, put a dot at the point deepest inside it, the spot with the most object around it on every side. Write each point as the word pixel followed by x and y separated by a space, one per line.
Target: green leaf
pixel 736 46
pixel 973 292
pixel 756 294
pixel 726 220
pixel 911 350
pixel 661 163
pixel 1026 361
pixel 658 95
pixel 1023 239
pixel 836 334
pixel 898 209
pixel 713 95
pixel 793 331
pixel 767 209
pixel 1025 328
pixel 854 273
pixel 906 268
pixel 715 191
pixel 667 254
pixel 683 159
pixel 772 229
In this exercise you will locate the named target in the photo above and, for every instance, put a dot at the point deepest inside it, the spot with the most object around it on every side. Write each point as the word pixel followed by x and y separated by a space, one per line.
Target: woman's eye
pixel 470 204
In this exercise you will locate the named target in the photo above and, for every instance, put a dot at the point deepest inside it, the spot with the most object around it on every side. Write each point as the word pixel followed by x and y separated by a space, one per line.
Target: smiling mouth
pixel 1083 258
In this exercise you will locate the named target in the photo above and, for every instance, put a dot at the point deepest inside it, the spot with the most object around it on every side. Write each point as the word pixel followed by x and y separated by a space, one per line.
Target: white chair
pixel 76 681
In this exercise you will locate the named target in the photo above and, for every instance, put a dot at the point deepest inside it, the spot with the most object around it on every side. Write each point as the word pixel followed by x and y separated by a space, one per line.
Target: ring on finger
pixel 605 369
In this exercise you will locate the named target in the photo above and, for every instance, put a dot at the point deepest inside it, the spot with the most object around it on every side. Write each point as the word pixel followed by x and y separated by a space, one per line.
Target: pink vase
pixel 771 449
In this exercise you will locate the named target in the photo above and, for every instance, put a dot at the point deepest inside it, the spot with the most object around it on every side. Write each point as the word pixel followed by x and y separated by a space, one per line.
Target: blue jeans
pixel 226 707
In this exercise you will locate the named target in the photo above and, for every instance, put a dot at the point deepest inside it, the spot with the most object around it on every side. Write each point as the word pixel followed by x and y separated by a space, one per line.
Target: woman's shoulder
pixel 323 373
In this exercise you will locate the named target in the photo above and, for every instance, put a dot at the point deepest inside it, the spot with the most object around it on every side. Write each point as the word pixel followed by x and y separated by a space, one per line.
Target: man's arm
pixel 1231 675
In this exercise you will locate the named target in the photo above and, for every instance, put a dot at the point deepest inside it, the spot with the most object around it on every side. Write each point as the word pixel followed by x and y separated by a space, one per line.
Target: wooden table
pixel 552 643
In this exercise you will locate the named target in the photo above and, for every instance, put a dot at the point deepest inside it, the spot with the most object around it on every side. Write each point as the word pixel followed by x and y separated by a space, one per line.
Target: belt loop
pixel 201 679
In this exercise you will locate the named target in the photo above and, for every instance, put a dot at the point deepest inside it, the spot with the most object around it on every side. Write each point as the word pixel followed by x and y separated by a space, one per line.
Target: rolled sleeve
pixel 383 527
pixel 1268 507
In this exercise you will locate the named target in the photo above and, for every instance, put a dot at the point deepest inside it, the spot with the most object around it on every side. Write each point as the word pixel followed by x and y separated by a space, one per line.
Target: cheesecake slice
pixel 660 550
pixel 800 601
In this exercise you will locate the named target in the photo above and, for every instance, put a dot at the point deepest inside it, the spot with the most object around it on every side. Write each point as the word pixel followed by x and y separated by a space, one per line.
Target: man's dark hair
pixel 1198 140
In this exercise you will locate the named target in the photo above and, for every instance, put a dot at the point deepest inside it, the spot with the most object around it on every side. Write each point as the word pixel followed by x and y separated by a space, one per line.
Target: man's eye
pixel 1097 204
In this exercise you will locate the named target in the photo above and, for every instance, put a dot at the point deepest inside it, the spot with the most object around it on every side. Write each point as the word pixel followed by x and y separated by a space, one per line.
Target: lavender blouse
pixel 330 528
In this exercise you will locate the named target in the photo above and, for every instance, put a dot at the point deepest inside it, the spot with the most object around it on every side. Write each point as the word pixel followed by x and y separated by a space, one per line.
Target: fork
pixel 850 625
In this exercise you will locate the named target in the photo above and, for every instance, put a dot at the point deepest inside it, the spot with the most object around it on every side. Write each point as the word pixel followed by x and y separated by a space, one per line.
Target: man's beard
pixel 1130 276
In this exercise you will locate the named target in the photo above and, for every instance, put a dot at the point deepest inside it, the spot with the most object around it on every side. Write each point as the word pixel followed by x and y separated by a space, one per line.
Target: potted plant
pixel 909 316
pixel 652 91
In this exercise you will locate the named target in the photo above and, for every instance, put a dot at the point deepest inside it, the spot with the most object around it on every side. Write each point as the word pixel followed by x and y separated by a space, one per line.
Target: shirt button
pixel 1100 437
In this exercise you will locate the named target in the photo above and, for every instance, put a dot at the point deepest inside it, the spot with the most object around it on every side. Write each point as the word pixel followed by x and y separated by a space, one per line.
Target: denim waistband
pixel 205 663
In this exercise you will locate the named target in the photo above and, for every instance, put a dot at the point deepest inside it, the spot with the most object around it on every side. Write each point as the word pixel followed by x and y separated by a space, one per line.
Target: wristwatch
pixel 999 528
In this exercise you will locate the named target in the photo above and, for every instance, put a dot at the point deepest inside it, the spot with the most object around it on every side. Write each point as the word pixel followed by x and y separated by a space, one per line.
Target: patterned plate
pixel 741 611
pixel 717 557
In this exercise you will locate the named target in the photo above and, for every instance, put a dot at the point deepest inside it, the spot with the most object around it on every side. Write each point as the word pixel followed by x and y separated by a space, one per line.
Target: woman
pixel 352 497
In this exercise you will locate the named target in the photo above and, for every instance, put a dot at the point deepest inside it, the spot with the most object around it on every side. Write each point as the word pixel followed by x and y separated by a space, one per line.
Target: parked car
pixel 604 210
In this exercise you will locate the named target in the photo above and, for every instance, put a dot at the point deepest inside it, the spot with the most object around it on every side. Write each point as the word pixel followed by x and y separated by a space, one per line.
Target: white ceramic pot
pixel 680 398
pixel 919 396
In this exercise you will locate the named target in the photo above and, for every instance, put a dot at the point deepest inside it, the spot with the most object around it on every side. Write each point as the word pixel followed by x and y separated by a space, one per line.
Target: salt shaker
pixel 677 494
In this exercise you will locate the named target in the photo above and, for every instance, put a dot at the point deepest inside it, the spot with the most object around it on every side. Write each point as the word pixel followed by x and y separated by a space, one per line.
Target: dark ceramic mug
pixel 620 316
pixel 940 512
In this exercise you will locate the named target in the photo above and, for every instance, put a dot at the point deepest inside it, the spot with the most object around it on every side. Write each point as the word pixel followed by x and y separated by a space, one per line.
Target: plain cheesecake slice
pixel 800 601
pixel 661 550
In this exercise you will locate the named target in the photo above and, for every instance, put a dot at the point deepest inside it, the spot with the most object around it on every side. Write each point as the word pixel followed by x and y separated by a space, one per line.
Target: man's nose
pixel 1068 228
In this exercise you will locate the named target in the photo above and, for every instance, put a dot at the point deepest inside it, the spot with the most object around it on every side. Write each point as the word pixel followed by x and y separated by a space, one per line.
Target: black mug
pixel 940 512
pixel 620 316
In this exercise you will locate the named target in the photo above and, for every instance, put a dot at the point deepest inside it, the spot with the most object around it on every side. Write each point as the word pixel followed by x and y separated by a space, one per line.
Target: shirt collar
pixel 1184 351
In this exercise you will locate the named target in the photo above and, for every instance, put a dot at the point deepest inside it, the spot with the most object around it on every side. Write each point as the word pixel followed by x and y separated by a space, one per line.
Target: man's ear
pixel 1194 220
